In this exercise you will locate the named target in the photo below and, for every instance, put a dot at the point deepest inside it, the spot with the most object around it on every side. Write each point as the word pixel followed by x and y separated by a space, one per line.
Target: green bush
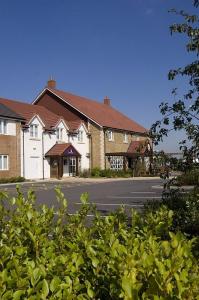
pixel 185 206
pixel 97 172
pixel 12 179
pixel 49 254
pixel 189 178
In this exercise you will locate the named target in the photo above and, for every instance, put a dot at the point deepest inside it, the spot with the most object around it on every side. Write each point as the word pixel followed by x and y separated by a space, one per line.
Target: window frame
pixel 110 135
pixel 117 163
pixel 80 136
pixel 2 165
pixel 125 140
pixel 59 134
pixel 3 126
pixel 34 131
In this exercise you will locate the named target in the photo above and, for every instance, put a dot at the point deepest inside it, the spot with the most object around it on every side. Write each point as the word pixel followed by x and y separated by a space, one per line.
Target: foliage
pixel 189 178
pixel 183 113
pixel 97 172
pixel 12 179
pixel 185 207
pixel 45 253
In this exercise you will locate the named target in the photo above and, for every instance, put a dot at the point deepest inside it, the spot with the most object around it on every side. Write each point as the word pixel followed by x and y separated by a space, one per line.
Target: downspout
pixel 104 149
pixel 43 153
pixel 23 155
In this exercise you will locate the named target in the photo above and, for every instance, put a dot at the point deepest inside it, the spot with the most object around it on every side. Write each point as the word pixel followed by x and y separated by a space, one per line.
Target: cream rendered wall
pixel 32 152
pixel 82 147
pixel 11 127
pixel 50 139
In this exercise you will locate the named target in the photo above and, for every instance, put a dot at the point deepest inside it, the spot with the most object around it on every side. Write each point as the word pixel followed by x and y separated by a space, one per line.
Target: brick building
pixel 61 134
pixel 10 142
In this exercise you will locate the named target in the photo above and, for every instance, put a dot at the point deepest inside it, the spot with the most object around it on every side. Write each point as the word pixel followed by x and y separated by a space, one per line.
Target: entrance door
pixel 72 166
pixel 65 166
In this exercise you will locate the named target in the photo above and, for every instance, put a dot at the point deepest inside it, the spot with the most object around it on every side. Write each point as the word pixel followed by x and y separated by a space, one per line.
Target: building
pixel 10 142
pixel 46 143
pixel 61 134
pixel 115 140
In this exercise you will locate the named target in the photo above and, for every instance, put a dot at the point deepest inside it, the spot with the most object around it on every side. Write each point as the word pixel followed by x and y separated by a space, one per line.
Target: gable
pixel 101 114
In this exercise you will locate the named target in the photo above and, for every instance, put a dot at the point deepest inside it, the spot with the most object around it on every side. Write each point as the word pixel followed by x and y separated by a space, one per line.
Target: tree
pixel 183 114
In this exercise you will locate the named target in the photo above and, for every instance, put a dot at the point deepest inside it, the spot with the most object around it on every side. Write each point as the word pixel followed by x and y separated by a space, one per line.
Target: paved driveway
pixel 106 194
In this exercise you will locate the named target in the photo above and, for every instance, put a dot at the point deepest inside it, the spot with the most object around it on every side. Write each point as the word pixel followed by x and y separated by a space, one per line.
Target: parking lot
pixel 107 195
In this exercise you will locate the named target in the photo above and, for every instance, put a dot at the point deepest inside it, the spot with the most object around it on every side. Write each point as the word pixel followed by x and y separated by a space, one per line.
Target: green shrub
pixel 12 179
pixel 185 206
pixel 49 254
pixel 85 173
pixel 97 172
pixel 189 178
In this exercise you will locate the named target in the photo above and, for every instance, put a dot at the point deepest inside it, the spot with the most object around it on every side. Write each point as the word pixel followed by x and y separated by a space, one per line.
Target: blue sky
pixel 119 48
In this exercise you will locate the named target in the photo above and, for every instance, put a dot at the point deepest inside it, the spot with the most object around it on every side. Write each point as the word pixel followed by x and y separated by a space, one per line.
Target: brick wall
pixel 97 146
pixel 10 145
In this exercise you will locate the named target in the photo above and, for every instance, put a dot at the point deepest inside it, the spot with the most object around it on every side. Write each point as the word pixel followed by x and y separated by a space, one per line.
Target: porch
pixel 64 160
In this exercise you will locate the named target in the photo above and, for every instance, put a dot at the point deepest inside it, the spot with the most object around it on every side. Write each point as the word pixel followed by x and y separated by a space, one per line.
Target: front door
pixel 65 166
pixel 72 166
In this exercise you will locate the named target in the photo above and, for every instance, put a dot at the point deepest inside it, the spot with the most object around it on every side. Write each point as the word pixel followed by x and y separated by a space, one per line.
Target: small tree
pixel 183 114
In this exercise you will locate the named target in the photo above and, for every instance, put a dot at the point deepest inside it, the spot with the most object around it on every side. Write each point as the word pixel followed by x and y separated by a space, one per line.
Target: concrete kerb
pixel 78 179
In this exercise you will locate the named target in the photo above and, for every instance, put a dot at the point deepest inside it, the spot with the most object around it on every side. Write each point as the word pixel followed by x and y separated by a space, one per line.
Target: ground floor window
pixel 3 162
pixel 116 163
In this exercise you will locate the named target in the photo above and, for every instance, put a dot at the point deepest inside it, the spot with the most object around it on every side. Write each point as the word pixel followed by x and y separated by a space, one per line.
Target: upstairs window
pixel 3 162
pixel 34 131
pixel 80 136
pixel 59 134
pixel 125 138
pixel 3 126
pixel 110 135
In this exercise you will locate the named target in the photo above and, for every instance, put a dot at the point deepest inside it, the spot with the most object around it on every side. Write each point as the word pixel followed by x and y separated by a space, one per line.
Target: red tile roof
pixel 28 111
pixel 102 114
pixel 137 147
pixel 60 149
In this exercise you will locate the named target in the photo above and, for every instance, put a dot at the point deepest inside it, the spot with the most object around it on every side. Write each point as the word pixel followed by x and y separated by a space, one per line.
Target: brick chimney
pixel 51 83
pixel 107 101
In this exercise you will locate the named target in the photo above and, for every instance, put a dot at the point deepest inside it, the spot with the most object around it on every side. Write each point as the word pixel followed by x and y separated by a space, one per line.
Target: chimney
pixel 107 101
pixel 51 83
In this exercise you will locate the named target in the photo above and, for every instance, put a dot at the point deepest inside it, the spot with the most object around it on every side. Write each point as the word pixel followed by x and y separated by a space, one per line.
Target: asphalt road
pixel 106 195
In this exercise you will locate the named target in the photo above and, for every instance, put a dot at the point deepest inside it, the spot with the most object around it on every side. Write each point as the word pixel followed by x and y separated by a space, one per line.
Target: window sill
pixel 111 141
pixel 81 142
pixel 35 139
pixel 125 142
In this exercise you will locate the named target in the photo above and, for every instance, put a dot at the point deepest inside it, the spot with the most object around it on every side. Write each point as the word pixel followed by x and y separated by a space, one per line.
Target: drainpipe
pixel 23 155
pixel 43 153
pixel 105 149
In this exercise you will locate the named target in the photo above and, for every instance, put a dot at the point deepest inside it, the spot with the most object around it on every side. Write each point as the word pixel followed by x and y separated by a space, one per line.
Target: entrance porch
pixel 64 160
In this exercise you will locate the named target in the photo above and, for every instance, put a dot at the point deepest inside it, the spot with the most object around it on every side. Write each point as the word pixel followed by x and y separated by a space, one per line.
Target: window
pixel 116 163
pixel 3 126
pixel 80 136
pixel 125 138
pixel 110 135
pixel 34 131
pixel 3 162
pixel 59 133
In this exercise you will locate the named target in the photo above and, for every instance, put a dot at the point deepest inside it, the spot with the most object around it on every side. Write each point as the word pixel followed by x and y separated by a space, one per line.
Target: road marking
pixel 157 187
pixel 113 204
pixel 143 192
pixel 138 197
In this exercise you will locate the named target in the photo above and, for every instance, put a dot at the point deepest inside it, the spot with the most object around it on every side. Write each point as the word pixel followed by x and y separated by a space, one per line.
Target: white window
pixel 125 138
pixel 110 135
pixel 3 162
pixel 80 136
pixel 34 131
pixel 3 126
pixel 116 163
pixel 59 133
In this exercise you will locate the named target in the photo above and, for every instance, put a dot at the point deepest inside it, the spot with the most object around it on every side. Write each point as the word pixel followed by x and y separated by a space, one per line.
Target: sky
pixel 94 48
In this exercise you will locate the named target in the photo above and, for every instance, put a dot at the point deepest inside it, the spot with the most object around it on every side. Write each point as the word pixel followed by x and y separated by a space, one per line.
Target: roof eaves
pixel 51 91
